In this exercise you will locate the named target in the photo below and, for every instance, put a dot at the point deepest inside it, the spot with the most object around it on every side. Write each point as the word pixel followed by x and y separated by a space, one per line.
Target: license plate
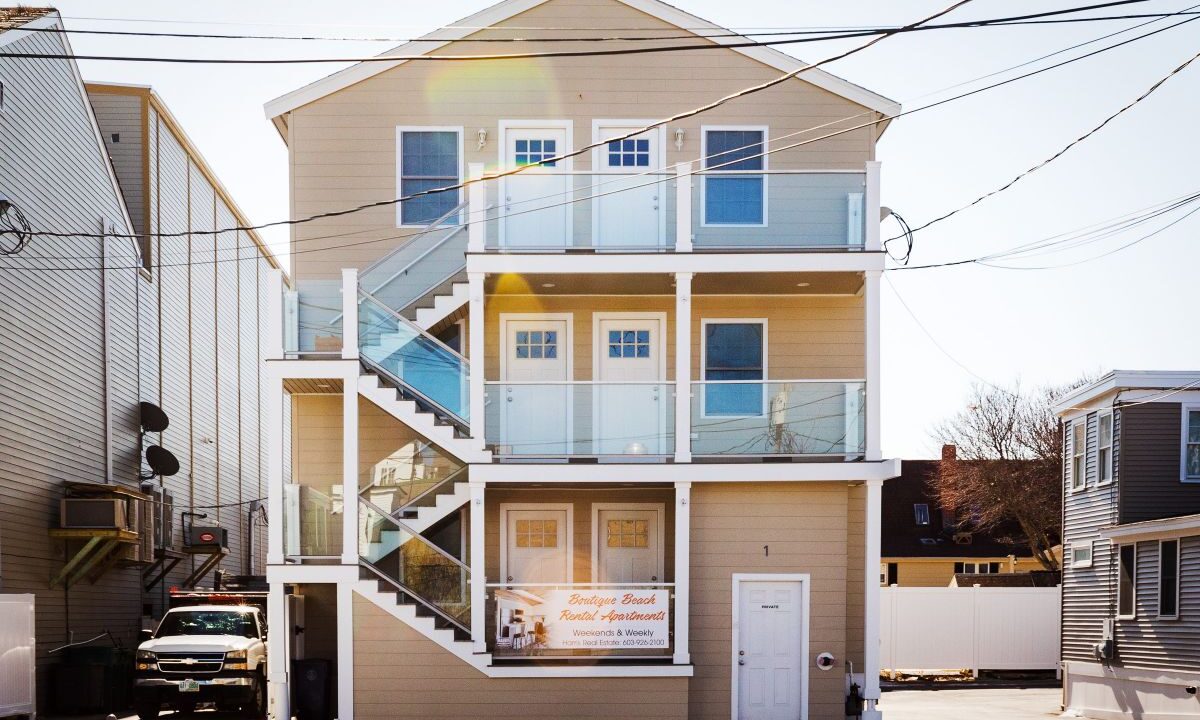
pixel 189 686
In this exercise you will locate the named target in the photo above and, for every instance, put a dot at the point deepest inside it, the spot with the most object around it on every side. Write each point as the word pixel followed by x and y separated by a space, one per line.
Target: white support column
pixel 350 467
pixel 274 310
pixel 476 210
pixel 871 600
pixel 475 352
pixel 683 569
pixel 478 573
pixel 345 651
pixel 349 314
pixel 683 367
pixel 277 652
pixel 871 205
pixel 273 417
pixel 871 348
pixel 683 207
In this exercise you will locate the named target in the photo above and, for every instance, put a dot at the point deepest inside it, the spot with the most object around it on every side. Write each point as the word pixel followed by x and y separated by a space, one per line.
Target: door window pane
pixel 631 152
pixel 733 351
pixel 428 160
pixel 629 343
pixel 734 199
pixel 536 344
pixel 535 152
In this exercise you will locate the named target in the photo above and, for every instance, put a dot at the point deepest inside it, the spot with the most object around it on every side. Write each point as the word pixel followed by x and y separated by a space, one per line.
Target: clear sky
pixel 1134 309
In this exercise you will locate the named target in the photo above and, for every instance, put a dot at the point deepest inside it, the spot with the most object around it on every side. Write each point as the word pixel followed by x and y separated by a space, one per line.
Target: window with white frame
pixel 977 568
pixel 1127 581
pixel 1104 448
pixel 1078 445
pixel 428 159
pixel 739 197
pixel 734 368
pixel 1168 578
pixel 1081 554
pixel 1190 471
pixel 921 513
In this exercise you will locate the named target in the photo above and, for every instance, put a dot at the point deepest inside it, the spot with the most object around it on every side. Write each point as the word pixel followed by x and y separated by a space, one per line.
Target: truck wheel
pixel 147 709
pixel 257 708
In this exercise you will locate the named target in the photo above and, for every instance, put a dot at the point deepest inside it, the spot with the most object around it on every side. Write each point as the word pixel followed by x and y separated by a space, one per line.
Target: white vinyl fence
pixel 16 655
pixel 971 628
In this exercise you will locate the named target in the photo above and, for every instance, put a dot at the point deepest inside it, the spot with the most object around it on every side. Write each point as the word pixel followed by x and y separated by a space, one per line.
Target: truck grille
pixel 191 663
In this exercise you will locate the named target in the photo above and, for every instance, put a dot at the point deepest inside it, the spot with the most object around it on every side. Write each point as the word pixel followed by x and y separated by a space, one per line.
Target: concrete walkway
pixel 973 703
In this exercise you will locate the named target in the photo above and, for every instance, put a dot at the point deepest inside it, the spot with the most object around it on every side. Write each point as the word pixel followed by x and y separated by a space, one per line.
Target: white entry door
pixel 630 400
pixel 629 209
pixel 536 546
pixel 770 628
pixel 628 545
pixel 536 417
pixel 535 202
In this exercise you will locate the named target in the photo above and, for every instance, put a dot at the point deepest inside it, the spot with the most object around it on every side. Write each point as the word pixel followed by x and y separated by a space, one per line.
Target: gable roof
pixel 507 9
pixel 1118 380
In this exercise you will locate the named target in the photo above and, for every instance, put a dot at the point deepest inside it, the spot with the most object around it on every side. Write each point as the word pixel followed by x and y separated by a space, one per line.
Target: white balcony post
pixel 277 652
pixel 871 348
pixel 475 354
pixel 476 209
pixel 273 417
pixel 683 567
pixel 350 466
pixel 274 311
pixel 871 205
pixel 683 367
pixel 478 573
pixel 345 651
pixel 349 314
pixel 683 207
pixel 871 600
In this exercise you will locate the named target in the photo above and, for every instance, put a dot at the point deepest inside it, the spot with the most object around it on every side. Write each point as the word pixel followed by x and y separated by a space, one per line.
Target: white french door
pixel 629 540
pixel 535 203
pixel 630 399
pixel 536 545
pixel 770 629
pixel 536 414
pixel 628 208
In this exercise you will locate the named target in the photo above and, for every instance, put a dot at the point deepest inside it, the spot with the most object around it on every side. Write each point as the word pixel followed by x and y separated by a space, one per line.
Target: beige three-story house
pixel 598 437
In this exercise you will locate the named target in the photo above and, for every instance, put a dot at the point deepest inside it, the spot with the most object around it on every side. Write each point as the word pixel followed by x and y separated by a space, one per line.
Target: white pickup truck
pixel 205 653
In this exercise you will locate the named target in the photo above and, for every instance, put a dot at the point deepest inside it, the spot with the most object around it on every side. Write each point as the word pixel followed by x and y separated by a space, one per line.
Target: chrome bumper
pixel 164 682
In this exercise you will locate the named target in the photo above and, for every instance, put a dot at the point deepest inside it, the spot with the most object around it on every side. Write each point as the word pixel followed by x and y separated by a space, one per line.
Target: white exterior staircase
pixel 444 435
pixel 440 304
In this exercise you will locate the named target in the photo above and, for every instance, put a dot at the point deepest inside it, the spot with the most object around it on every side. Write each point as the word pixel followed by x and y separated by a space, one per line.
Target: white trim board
pixel 806 630
pixel 510 8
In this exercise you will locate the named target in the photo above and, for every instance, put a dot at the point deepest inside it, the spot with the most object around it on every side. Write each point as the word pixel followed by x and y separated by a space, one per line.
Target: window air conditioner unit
pixel 93 513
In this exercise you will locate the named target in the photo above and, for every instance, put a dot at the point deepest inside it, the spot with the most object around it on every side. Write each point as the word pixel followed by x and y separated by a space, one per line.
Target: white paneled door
pixel 630 203
pixel 535 202
pixel 630 399
pixel 769 660
pixel 629 545
pixel 536 546
pixel 536 408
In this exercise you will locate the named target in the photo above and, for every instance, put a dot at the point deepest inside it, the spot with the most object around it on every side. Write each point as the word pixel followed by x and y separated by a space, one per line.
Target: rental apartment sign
pixel 607 619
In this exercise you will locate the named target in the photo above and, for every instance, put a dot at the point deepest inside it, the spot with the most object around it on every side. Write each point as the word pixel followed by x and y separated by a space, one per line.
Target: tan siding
pixel 343 145
pixel 926 572
pixel 805 527
pixel 445 687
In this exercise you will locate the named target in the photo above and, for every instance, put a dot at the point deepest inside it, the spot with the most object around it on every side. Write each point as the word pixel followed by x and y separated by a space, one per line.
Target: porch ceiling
pixel 313 386
pixel 663 284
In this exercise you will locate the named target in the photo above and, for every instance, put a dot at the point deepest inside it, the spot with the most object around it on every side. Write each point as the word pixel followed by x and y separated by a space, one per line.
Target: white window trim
pixel 704 129
pixel 1133 584
pixel 1183 443
pixel 569 533
pixel 1112 437
pixel 659 508
pixel 1178 580
pixel 400 130
pixel 1080 453
pixel 1091 545
pixel 704 323
pixel 805 631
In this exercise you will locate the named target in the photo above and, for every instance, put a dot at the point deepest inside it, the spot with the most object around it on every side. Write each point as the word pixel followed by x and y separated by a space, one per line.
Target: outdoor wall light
pixel 678 138
pixel 482 137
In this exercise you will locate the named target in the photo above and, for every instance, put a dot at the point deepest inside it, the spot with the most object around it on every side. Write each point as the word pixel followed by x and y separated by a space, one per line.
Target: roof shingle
pixel 12 17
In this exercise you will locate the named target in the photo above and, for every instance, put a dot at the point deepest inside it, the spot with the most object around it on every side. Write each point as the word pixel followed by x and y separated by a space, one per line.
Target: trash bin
pixel 92 679
pixel 310 683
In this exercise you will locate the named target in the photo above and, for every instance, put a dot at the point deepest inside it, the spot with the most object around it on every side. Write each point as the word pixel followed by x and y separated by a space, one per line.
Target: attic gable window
pixel 428 159
pixel 921 513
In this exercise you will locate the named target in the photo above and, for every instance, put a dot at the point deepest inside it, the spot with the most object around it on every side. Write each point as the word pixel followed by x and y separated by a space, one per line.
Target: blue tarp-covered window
pixel 733 354
pixel 428 160
pixel 735 199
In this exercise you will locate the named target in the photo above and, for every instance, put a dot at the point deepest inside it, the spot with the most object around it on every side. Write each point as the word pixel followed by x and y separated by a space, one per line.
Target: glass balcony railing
pixel 779 417
pixel 548 419
pixel 427 258
pixel 580 621
pixel 545 211
pixel 313 318
pixel 312 521
pixel 424 367
pixel 779 209
pixel 415 565
pixel 406 475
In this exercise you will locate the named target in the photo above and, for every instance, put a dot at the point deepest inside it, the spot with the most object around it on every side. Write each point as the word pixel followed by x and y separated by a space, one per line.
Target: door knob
pixel 741 661
pixel 740 652
pixel 653 578
pixel 510 578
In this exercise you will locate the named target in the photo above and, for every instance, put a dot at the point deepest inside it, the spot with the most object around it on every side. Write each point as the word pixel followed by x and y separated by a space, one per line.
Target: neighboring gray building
pixel 95 325
pixel 1131 546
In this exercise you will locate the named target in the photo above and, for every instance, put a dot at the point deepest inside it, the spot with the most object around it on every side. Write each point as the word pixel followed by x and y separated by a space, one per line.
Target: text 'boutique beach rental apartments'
pixel 597 438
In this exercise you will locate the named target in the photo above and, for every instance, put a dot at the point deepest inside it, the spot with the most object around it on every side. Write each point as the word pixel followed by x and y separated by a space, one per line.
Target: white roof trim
pixel 510 8
pixel 1118 380
pixel 1165 528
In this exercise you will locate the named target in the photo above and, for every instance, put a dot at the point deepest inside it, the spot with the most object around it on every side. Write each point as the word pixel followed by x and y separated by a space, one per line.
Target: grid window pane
pixel 734 149
pixel 733 200
pixel 733 351
pixel 535 152
pixel 629 343
pixel 428 160
pixel 536 344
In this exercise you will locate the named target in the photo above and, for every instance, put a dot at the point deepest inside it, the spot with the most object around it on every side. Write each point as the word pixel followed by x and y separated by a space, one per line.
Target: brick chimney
pixel 949 453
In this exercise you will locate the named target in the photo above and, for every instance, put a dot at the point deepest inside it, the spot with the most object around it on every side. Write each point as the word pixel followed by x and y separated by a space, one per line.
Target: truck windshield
pixel 207 622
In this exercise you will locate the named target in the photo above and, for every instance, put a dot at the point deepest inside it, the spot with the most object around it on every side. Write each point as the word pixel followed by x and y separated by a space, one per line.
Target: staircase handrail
pixel 363 294
pixel 437 224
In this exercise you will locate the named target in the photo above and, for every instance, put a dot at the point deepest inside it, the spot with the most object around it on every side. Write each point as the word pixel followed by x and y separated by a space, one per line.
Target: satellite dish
pixel 161 461
pixel 153 418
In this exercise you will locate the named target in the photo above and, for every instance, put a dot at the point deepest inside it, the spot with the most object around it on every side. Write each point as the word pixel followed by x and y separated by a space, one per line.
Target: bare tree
pixel 1008 468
